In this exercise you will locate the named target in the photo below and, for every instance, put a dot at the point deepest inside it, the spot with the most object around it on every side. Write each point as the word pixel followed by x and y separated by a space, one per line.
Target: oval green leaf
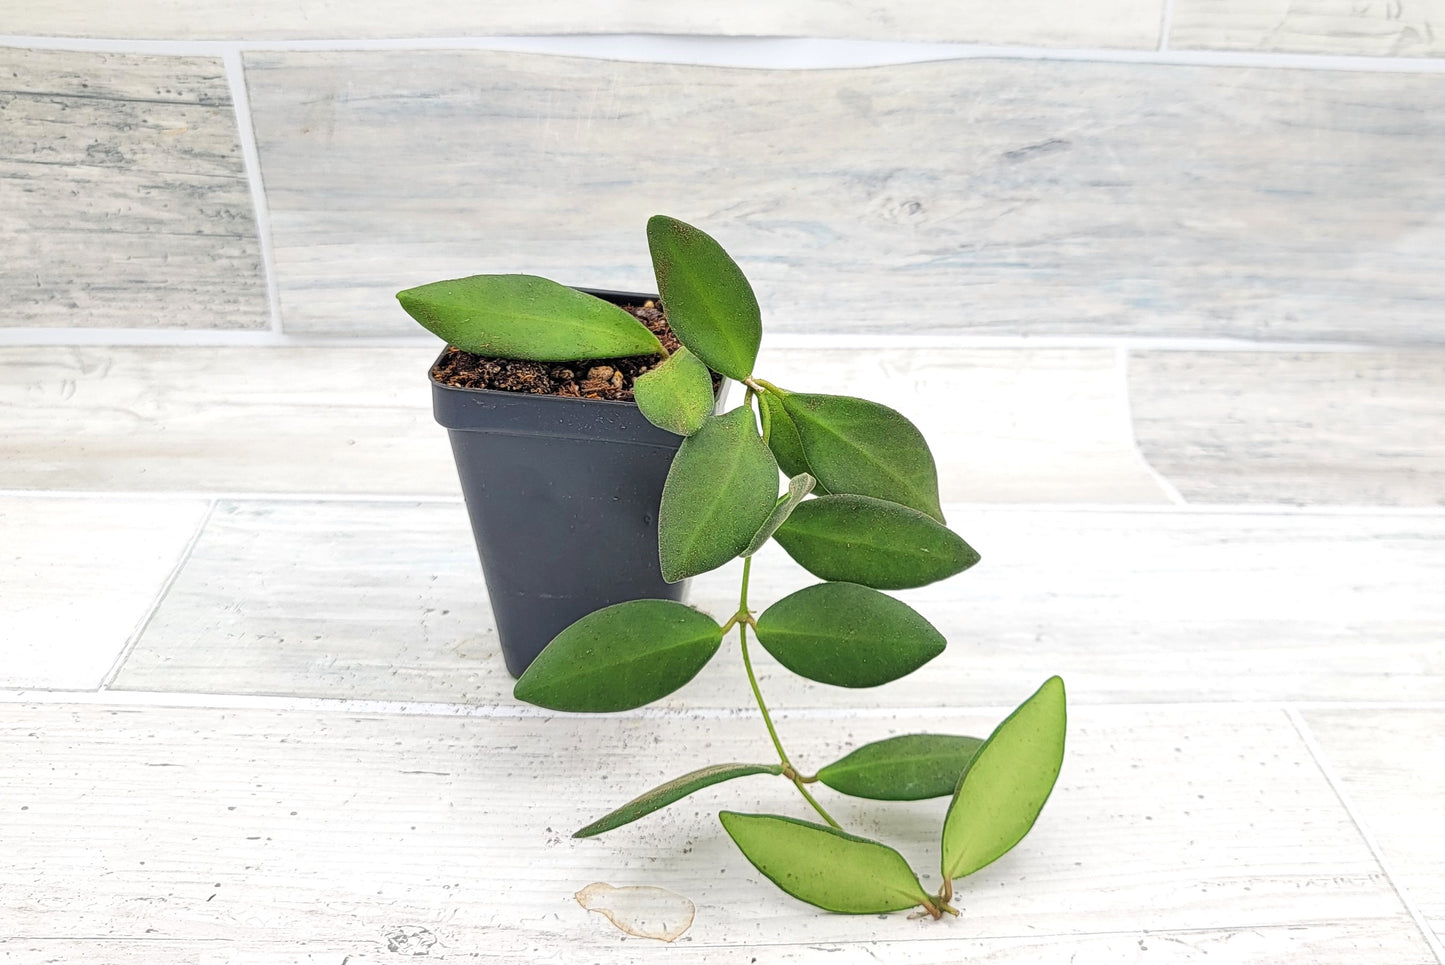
pixel 847 635
pixel 907 768
pixel 882 544
pixel 526 317
pixel 674 790
pixel 709 304
pixel 722 486
pixel 783 440
pixel 676 395
pixel 827 868
pixel 798 487
pixel 1006 784
pixel 620 657
pixel 856 446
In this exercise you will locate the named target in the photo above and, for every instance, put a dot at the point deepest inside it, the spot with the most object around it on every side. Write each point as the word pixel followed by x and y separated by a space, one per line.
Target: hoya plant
pixel 859 510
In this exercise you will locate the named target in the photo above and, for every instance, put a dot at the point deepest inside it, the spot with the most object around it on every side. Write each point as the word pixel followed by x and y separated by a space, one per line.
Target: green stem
pixel 744 618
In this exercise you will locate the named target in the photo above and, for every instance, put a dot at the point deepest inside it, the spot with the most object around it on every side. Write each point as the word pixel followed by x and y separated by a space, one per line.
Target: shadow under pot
pixel 562 494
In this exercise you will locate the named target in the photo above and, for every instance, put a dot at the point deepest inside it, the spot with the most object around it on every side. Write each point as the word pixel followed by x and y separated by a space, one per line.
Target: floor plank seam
pixel 33 337
pixel 155 605
pixel 1171 491
pixel 1327 768
pixel 417 708
pixel 1183 509
pixel 738 52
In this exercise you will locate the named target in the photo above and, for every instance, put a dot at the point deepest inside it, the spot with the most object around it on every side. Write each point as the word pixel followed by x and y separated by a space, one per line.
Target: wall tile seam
pixel 766 53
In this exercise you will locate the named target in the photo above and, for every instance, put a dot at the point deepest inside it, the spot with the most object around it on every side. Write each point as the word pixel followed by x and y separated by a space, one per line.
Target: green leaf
pixel 798 487
pixel 783 440
pixel 621 657
pixel 526 317
pixel 847 635
pixel 674 790
pixel 861 447
pixel 708 302
pixel 907 768
pixel 1006 784
pixel 882 544
pixel 676 395
pixel 722 486
pixel 830 869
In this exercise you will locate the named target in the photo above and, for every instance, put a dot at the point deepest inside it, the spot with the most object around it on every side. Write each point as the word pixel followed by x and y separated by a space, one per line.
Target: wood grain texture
pixel 123 198
pixel 386 602
pixel 1007 425
pixel 222 419
pixel 967 196
pixel 1213 827
pixel 77 576
pixel 1387 760
pixel 1097 23
pixel 1373 27
pixel 1352 428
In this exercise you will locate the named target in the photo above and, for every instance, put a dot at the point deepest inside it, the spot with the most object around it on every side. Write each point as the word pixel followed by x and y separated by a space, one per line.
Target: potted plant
pixel 860 511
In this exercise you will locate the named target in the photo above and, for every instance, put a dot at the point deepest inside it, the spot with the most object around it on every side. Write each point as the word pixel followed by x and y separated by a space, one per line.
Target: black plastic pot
pixel 563 495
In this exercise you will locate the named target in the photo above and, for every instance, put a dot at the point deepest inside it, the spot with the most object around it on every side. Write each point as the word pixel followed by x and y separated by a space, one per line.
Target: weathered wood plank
pixel 1389 763
pixel 1346 942
pixel 77 576
pixel 1238 427
pixel 341 419
pixel 386 601
pixel 123 199
pixel 1374 28
pixel 1007 425
pixel 341 830
pixel 1097 23
pixel 967 196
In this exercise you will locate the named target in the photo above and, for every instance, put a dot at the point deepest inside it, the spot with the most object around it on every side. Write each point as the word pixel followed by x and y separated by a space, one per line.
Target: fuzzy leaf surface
pixel 783 440
pixel 830 869
pixel 526 317
pixel 709 304
pixel 910 767
pixel 676 395
pixel 721 488
pixel 856 446
pixel 1004 787
pixel 882 544
pixel 674 790
pixel 798 487
pixel 847 635
pixel 620 657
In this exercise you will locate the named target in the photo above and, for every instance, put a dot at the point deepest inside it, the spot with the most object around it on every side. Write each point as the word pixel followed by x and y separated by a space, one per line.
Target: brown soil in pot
pixel 609 379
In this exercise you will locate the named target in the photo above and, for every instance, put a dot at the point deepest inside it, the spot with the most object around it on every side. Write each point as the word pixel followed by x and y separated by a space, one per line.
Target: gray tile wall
pixel 123 197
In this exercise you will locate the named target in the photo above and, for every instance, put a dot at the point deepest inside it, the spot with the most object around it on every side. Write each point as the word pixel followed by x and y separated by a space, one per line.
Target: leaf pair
pixel 998 799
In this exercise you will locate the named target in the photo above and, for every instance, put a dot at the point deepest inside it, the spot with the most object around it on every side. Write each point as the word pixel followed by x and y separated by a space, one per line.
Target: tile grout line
pixel 1171 491
pixel 771 53
pixel 251 162
pixel 1321 511
pixel 145 621
pixel 863 341
pixel 423 708
pixel 1166 25
pixel 1322 761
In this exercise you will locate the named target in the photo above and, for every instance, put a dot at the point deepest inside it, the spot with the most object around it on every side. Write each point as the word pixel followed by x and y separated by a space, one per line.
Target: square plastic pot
pixel 562 495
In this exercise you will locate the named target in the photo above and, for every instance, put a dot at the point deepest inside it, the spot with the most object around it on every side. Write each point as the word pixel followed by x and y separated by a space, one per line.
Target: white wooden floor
pixel 252 712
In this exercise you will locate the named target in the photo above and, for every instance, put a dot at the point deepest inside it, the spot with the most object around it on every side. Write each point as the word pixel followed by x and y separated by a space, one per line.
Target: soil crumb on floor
pixel 609 379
